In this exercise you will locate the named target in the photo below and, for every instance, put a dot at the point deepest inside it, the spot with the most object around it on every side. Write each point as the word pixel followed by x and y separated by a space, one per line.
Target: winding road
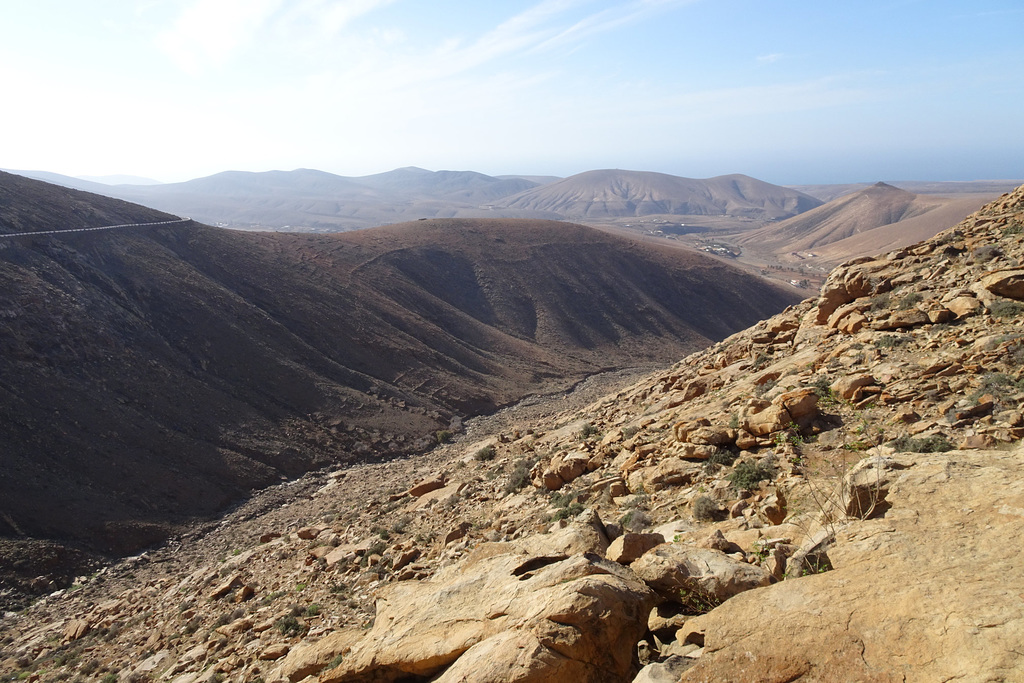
pixel 102 227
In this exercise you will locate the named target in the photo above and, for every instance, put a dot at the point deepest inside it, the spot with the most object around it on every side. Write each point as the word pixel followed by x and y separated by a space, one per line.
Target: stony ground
pixel 799 501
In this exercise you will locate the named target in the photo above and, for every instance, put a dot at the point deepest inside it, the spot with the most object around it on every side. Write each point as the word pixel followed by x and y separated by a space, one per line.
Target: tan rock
pixel 883 613
pixel 901 319
pixel 427 485
pixel 570 465
pixel 506 617
pixel 800 403
pixel 772 419
pixel 225 587
pixel 405 558
pixel 1008 283
pixel 696 575
pixel 75 629
pixel 665 616
pixel 340 554
pixel 668 472
pixel 963 306
pixel 851 387
pixel 236 626
pixel 308 659
pixel 630 546
pixel 940 314
pixel 275 651
pixel 852 323
pixel 711 436
pixel 308 533
pixel 693 451
pixel 550 480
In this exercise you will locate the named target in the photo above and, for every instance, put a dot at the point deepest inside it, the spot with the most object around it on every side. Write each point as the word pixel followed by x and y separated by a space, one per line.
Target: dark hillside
pixel 151 376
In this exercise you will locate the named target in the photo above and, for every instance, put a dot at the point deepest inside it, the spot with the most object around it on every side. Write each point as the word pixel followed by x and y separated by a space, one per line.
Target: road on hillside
pixel 102 227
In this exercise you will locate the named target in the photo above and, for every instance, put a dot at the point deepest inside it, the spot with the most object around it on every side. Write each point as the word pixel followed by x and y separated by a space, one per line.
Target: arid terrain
pixel 152 376
pixel 832 494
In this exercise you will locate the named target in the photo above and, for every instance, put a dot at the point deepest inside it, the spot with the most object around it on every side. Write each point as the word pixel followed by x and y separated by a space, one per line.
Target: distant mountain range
pixel 313 200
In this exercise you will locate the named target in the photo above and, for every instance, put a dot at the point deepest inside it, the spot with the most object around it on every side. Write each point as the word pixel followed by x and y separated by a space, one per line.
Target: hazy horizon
pixel 797 93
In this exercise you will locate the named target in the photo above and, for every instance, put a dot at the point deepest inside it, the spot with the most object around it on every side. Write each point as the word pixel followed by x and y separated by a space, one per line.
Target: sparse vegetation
pixel 443 436
pixel 890 341
pixel 588 430
pixel 1005 308
pixel 290 626
pixel 520 475
pixel 880 302
pixel 485 454
pixel 570 511
pixel 935 443
pixel 696 601
pixel 720 458
pixel 986 253
pixel 909 301
pixel 705 509
pixel 749 474
pixel 635 520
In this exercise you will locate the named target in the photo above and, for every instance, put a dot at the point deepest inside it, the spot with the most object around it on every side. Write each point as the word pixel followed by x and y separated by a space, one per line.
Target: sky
pixel 788 91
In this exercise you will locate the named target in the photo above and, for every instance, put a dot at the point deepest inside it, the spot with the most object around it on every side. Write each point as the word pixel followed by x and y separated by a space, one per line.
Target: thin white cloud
pixel 770 58
pixel 207 32
pixel 608 20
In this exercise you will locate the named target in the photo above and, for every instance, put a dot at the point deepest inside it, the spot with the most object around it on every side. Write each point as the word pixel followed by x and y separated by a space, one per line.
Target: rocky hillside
pixel 831 495
pixel 153 376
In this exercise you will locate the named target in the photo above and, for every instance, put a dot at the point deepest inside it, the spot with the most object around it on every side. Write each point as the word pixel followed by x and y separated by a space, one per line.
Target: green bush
pixel 1005 308
pixel 935 443
pixel 588 430
pixel 560 500
pixel 748 475
pixel 888 341
pixel 443 436
pixel 484 454
pixel 569 511
pixel 520 476
pixel 909 301
pixel 705 509
pixel 720 458
pixel 635 520
pixel 289 626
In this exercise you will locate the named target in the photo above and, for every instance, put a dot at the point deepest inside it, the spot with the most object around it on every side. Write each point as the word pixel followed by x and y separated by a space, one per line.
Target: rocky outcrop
pixel 922 594
pixel 506 615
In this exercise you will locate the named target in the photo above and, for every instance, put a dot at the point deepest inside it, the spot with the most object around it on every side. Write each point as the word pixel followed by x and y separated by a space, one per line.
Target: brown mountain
pixel 152 375
pixel 612 193
pixel 872 220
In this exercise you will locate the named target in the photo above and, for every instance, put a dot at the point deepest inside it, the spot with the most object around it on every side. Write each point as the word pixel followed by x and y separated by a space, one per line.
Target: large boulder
pixel 307 659
pixel 1008 283
pixel 550 608
pixel 697 577
pixel 509 617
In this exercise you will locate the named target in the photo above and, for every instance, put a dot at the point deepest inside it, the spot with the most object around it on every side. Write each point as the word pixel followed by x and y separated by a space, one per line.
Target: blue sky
pixel 786 91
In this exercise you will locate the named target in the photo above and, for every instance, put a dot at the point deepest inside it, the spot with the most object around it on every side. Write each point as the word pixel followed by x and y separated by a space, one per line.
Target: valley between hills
pixel 824 489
